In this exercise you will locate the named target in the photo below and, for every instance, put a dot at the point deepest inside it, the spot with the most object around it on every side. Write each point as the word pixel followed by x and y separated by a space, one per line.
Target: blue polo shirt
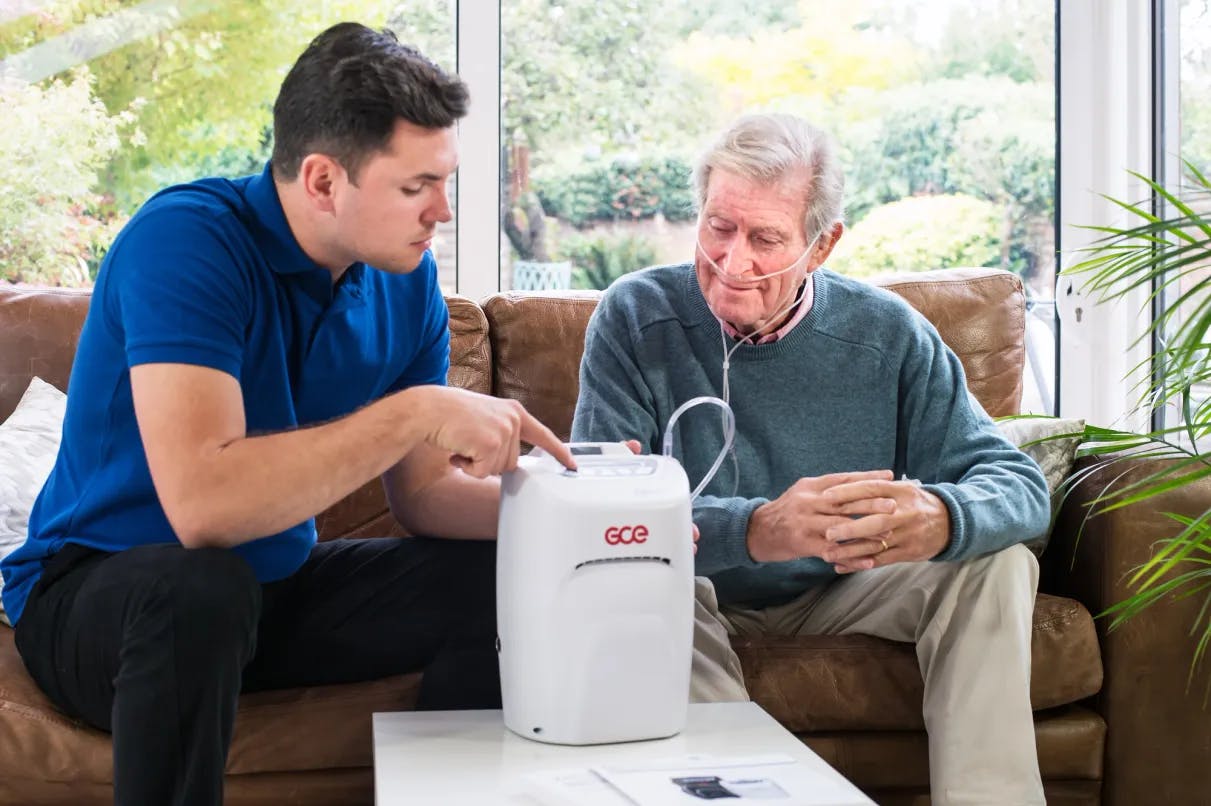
pixel 209 274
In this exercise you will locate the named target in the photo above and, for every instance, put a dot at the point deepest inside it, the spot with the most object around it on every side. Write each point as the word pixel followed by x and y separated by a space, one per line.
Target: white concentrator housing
pixel 595 597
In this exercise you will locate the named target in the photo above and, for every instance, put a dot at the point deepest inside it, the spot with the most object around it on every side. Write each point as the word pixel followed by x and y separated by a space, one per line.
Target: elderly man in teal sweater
pixel 866 491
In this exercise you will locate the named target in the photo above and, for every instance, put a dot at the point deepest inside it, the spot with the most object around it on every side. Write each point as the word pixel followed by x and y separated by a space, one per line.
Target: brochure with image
pixel 772 779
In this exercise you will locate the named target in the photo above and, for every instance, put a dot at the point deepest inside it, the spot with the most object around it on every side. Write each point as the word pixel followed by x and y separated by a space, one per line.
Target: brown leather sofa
pixel 1114 721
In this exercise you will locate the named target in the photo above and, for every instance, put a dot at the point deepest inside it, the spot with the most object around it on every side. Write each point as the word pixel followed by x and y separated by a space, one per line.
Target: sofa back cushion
pixel 38 333
pixel 538 338
pixel 537 341
pixel 527 346
pixel 981 315
pixel 39 329
pixel 470 352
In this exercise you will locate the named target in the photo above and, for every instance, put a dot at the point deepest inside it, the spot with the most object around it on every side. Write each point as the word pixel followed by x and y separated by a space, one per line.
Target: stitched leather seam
pixel 35 714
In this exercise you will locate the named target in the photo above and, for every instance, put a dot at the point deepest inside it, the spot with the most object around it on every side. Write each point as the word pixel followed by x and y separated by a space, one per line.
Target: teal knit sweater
pixel 863 382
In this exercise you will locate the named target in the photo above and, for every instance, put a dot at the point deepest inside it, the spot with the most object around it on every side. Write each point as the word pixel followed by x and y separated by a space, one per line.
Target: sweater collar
pixel 791 334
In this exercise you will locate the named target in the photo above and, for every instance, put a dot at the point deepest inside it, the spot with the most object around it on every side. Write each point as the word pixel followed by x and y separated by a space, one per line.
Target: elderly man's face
pixel 750 230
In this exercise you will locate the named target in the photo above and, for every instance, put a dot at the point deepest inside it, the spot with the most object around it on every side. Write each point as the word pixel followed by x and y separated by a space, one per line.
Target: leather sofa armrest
pixel 1159 724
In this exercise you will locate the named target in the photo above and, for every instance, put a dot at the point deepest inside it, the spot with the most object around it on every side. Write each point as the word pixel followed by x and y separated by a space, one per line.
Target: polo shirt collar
pixel 277 242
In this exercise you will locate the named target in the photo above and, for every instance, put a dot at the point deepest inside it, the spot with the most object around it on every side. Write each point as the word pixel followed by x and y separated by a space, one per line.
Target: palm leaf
pixel 1174 551
pixel 1166 255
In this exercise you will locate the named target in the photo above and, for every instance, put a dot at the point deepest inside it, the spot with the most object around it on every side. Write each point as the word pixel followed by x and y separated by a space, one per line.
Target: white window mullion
pixel 1167 154
pixel 1105 130
pixel 477 212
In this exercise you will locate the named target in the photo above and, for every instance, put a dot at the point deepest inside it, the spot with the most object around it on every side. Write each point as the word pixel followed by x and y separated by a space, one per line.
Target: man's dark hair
pixel 347 90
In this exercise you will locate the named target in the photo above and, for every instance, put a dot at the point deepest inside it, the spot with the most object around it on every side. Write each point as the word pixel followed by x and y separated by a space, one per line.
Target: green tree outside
pixel 607 100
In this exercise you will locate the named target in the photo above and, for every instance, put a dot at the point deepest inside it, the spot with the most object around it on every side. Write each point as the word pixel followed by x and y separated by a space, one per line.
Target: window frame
pixel 477 214
pixel 1104 95
pixel 1166 160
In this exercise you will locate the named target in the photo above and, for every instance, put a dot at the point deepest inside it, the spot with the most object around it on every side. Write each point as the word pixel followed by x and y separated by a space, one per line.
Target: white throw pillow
pixel 29 443
pixel 1056 455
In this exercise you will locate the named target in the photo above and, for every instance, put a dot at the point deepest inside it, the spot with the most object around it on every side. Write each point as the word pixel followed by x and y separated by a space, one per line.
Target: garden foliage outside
pixel 608 99
pixel 946 129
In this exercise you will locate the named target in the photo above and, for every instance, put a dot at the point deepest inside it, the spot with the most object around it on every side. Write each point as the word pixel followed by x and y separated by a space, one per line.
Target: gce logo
pixel 618 535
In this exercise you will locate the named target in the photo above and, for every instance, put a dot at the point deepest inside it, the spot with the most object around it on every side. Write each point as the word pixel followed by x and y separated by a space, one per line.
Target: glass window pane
pixel 109 100
pixel 1190 136
pixel 1194 84
pixel 943 111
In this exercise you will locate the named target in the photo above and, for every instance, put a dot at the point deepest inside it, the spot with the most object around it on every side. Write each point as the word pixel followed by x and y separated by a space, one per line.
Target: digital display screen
pixel 586 450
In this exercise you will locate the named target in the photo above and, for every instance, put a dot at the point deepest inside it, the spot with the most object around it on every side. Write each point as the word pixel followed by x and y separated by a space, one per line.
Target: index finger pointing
pixel 536 433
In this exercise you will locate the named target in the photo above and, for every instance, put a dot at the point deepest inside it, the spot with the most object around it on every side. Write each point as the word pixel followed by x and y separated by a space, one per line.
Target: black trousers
pixel 155 644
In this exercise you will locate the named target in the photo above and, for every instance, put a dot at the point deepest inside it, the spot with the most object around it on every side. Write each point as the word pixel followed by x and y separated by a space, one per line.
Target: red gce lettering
pixel 617 535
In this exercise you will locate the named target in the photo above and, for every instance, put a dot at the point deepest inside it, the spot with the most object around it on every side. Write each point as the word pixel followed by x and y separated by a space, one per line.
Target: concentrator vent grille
pixel 635 559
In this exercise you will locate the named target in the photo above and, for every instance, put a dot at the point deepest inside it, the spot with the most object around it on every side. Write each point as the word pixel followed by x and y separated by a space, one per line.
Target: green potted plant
pixel 1168 254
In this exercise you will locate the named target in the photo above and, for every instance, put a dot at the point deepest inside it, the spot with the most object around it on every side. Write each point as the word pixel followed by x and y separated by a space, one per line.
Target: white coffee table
pixel 469 757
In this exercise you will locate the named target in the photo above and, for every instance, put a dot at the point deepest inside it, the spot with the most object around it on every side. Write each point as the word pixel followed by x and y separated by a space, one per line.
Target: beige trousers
pixel 971 622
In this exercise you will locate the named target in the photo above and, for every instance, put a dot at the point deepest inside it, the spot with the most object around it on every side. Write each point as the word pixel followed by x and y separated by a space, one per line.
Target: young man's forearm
pixel 455 505
pixel 258 486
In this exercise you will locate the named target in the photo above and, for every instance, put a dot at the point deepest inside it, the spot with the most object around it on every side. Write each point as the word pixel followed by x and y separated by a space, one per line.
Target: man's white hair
pixel 771 147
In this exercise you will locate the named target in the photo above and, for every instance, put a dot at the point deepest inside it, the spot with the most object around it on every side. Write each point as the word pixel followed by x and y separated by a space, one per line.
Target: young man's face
pixel 388 218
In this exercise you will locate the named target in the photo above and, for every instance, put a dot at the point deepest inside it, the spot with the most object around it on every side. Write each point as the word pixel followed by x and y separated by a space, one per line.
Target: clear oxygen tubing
pixel 727 359
pixel 727 354
pixel 755 279
pixel 752 282
pixel 729 435
pixel 729 417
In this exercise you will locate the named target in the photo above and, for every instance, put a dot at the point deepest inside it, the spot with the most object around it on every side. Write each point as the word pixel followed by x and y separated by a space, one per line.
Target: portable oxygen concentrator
pixel 595 596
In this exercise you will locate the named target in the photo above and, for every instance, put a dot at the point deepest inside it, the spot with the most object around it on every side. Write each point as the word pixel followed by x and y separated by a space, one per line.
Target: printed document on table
pixel 776 780
pixel 582 787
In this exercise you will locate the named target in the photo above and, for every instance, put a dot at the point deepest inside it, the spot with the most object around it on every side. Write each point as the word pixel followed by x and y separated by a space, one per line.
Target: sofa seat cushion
pixel 812 683
pixel 318 728
pixel 856 682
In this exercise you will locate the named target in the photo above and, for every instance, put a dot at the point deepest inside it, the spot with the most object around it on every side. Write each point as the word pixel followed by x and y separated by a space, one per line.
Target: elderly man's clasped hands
pixel 856 521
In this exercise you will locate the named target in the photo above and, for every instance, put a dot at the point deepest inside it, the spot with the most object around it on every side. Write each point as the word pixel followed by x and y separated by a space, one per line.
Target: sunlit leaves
pixel 55 142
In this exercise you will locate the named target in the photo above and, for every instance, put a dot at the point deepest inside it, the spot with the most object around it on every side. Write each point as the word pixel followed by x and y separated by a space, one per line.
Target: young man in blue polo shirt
pixel 255 351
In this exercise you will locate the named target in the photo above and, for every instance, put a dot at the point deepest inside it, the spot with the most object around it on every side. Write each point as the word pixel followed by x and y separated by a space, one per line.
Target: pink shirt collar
pixel 804 308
